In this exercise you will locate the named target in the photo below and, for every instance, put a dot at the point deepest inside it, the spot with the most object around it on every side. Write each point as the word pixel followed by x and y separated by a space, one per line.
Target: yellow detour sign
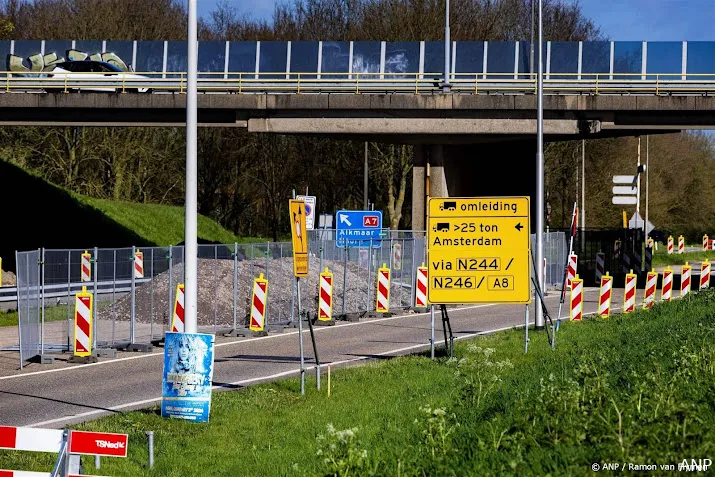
pixel 300 239
pixel 478 250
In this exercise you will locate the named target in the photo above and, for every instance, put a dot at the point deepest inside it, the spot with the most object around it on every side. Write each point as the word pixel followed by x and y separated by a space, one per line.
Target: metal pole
pixel 150 437
pixel 114 295
pixel 215 283
pixel 638 189
pixel 151 294
pixel 531 58
pixel 132 298
pixel 42 290
pixel 539 322
pixel 300 340
pixel 526 329
pixel 171 289
pixel 69 298
pixel 97 462
pixel 345 273
pixel 364 184
pixel 94 297
pixel 431 339
pixel 235 283
pixel 583 188
pixel 647 171
pixel 190 239
pixel 445 87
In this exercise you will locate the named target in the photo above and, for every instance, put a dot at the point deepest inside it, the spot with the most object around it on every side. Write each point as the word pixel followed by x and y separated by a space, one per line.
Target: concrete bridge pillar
pixel 428 180
pixel 505 168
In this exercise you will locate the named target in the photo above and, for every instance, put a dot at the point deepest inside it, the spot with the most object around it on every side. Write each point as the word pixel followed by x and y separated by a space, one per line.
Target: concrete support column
pixel 438 180
pixel 419 191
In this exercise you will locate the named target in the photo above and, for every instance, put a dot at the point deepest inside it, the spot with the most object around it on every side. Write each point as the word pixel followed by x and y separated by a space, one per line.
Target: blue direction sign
pixel 355 228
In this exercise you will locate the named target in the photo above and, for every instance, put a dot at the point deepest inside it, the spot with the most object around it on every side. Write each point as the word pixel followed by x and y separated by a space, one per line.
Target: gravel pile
pixel 216 295
pixel 8 279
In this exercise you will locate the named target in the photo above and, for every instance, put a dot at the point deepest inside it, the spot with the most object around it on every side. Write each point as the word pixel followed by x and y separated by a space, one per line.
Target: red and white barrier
pixel 616 250
pixel 382 297
pixel 177 319
pixel 670 245
pixel 571 270
pixel 421 287
pixel 600 265
pixel 32 439
pixel 138 264
pixel 83 323
pixel 649 292
pixel 397 256
pixel 629 296
pixel 86 267
pixel 704 275
pixel 706 243
pixel 576 308
pixel 666 293
pixel 604 296
pixel 325 297
pixel 681 245
pixel 685 279
pixel 258 304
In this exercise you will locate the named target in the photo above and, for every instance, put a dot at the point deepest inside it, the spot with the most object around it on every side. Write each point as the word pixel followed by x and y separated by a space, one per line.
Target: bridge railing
pixel 364 83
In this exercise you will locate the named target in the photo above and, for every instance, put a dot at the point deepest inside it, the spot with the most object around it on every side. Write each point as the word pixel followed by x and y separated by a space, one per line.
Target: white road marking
pixel 278 375
pixel 232 343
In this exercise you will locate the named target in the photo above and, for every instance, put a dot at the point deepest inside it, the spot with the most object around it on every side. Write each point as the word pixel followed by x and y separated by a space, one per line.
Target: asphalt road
pixel 60 396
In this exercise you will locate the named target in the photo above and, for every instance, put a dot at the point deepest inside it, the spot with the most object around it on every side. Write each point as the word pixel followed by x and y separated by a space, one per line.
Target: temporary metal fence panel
pixel 28 304
pixel 555 252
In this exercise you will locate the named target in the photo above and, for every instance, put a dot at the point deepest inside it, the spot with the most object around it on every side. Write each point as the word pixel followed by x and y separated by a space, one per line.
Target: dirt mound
pixel 8 279
pixel 215 295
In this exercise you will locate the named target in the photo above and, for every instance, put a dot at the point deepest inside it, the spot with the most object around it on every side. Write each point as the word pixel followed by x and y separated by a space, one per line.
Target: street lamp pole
pixel 445 86
pixel 539 315
pixel 191 201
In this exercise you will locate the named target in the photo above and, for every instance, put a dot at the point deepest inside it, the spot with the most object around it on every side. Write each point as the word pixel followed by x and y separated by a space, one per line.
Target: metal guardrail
pixel 361 83
pixel 9 294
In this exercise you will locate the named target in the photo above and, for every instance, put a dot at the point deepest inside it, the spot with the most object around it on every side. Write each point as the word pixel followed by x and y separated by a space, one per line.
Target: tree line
pixel 245 179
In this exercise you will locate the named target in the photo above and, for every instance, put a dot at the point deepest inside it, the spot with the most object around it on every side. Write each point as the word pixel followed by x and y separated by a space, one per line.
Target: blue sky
pixel 649 20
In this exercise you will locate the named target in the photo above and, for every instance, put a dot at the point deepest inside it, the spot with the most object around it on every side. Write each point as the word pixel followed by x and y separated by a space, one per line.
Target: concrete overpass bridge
pixel 380 91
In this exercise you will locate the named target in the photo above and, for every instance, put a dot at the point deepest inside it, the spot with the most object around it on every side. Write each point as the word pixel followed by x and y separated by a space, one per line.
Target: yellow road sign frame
pixel 84 294
pixel 478 250
pixel 300 239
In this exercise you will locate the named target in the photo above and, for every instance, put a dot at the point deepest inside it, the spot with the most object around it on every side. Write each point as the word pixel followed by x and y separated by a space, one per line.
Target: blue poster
pixel 188 372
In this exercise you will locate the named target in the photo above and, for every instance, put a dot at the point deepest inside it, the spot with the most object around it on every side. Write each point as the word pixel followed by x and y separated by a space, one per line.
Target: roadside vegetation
pixel 661 257
pixel 634 388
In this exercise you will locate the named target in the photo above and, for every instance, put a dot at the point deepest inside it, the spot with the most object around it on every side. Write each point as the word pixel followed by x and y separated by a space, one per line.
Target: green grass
pixel 160 224
pixel 52 313
pixel 633 388
pixel 661 257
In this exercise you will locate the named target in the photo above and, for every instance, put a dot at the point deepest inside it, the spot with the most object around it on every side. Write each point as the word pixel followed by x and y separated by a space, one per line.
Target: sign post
pixel 478 250
pixel 300 269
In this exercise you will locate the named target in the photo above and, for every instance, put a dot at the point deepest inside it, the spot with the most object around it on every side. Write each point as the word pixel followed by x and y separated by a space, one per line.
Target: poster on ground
pixel 188 372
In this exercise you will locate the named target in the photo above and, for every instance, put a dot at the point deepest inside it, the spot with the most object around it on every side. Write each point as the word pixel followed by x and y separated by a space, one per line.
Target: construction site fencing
pixel 135 309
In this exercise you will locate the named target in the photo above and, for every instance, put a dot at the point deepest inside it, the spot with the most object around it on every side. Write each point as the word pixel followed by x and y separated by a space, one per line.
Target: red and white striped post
pixel 667 291
pixel 382 297
pixel 571 270
pixel 650 287
pixel 681 245
pixel 138 264
pixel 626 261
pixel 629 296
pixel 704 274
pixel 685 279
pixel 177 319
pixel 670 245
pixel 600 265
pixel 83 323
pixel 421 287
pixel 604 296
pixel 86 275
pixel 576 302
pixel 325 297
pixel 706 243
pixel 616 251
pixel 259 300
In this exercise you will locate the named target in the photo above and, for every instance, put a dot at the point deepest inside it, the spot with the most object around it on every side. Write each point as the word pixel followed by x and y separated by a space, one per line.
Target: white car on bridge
pixel 95 71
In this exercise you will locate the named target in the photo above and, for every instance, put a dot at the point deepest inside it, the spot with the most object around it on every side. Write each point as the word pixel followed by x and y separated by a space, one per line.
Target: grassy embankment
pixel 633 388
pixel 661 257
